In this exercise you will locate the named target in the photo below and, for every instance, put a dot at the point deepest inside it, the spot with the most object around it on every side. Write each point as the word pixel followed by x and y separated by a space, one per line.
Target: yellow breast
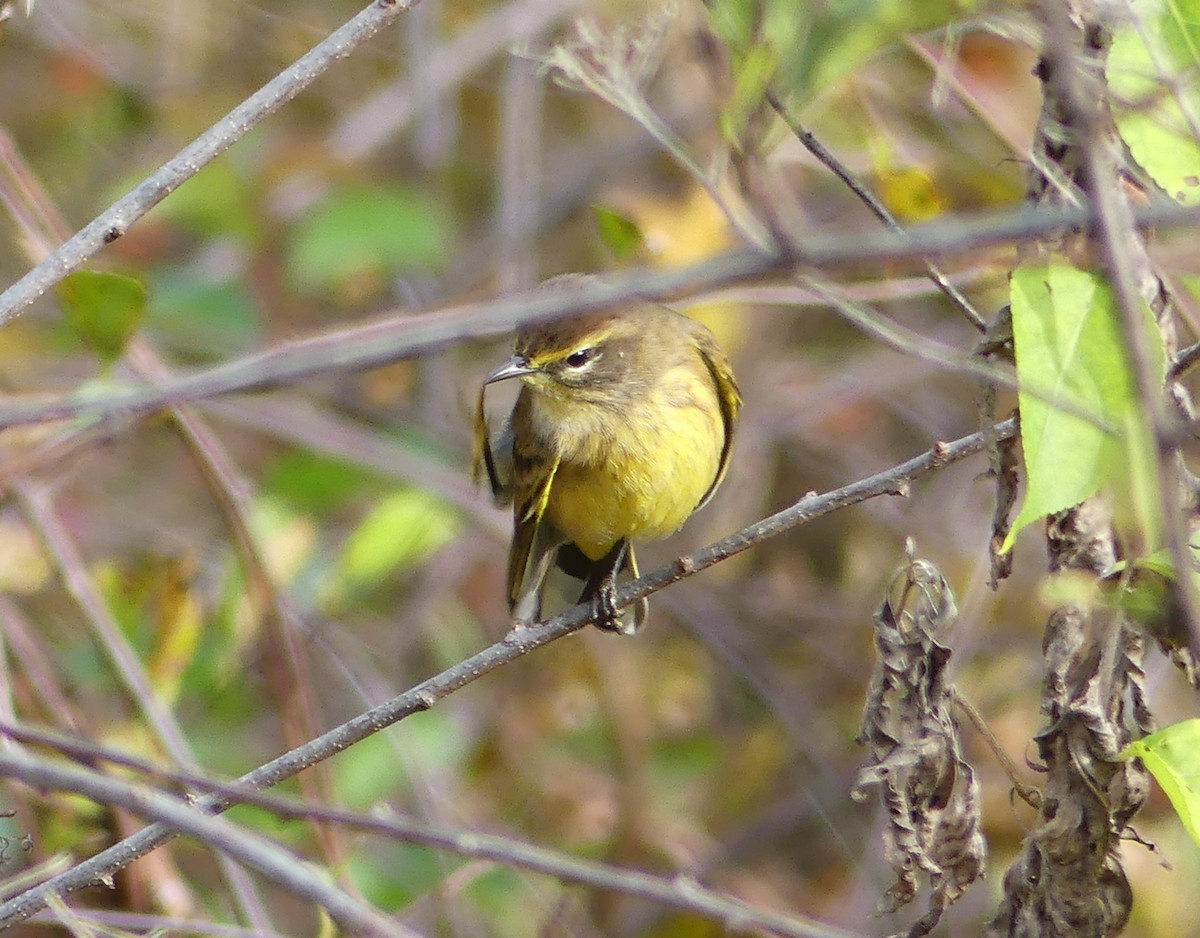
pixel 641 473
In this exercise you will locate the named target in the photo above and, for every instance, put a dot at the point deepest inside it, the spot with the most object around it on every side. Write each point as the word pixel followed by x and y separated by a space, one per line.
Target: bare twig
pixel 872 202
pixel 386 341
pixel 290 679
pixel 366 127
pixel 115 221
pixel 912 343
pixel 893 481
pixel 44 227
pixel 1184 362
pixel 39 511
pixel 677 893
pixel 218 833
pixel 302 422
pixel 615 66
pixel 143 924
pixel 1028 793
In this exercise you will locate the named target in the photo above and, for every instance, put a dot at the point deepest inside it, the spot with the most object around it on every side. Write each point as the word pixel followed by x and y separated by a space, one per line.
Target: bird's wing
pixel 533 475
pixel 728 397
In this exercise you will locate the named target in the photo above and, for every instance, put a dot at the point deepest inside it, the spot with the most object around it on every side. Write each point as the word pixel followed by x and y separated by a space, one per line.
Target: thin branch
pixel 679 893
pixel 39 512
pixel 958 233
pixel 303 422
pixel 218 833
pixel 1184 362
pixel 290 680
pixel 872 202
pixel 144 924
pixel 364 128
pixel 951 359
pixel 615 66
pixel 945 77
pixel 388 340
pixel 894 481
pixel 1028 793
pixel 44 228
pixel 116 220
pixel 38 508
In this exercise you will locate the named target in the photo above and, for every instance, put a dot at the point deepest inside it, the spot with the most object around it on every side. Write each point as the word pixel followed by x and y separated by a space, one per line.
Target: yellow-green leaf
pixel 619 232
pixel 1173 757
pixel 403 529
pixel 1072 362
pixel 103 309
pixel 1153 70
pixel 364 231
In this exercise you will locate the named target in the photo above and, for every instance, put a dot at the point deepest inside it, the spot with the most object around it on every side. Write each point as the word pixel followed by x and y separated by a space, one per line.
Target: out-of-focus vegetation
pixel 431 167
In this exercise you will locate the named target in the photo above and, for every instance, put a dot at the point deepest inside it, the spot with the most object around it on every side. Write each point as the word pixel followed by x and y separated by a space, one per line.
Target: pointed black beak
pixel 513 368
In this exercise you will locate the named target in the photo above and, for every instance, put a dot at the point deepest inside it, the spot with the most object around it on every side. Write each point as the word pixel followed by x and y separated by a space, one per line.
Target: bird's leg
pixel 602 587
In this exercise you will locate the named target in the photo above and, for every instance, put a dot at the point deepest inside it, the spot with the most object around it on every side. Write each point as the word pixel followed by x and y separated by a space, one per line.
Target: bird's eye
pixel 581 358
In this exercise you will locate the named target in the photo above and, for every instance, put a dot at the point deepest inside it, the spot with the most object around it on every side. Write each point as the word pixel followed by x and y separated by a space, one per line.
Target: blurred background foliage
pixel 435 166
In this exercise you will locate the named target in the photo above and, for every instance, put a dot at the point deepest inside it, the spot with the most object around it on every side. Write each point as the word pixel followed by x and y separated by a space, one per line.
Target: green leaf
pixel 797 49
pixel 1153 67
pixel 200 317
pixel 103 309
pixel 503 898
pixel 1172 756
pixel 1070 348
pixel 317 484
pixel 366 231
pixel 402 530
pixel 377 767
pixel 218 202
pixel 619 232
pixel 367 772
pixel 391 875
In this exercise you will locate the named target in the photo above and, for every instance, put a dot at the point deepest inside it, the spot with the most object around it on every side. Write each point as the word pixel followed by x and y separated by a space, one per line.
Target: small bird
pixel 623 427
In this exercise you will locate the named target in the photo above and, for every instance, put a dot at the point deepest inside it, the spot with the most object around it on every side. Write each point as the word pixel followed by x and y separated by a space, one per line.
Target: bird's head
pixel 589 357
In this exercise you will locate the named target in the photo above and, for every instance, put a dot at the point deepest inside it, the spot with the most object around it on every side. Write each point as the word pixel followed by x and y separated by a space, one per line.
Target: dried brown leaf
pixel 929 791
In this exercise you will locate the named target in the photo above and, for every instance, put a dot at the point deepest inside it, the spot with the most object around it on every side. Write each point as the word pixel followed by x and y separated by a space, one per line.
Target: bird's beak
pixel 513 368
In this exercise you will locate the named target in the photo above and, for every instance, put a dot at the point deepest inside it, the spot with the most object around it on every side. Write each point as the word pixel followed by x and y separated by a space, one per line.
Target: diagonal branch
pixel 114 221
pixel 681 893
pixel 894 481
pixel 875 204
pixel 218 833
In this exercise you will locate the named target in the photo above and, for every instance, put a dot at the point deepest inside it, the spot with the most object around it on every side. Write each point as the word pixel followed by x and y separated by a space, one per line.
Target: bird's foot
pixel 607 615
pixel 605 605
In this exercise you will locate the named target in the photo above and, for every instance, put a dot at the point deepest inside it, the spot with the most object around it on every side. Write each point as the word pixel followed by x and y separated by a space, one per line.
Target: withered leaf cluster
pixel 930 793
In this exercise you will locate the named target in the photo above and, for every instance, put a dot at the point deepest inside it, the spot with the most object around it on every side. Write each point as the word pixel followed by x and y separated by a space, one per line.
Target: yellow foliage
pixel 678 232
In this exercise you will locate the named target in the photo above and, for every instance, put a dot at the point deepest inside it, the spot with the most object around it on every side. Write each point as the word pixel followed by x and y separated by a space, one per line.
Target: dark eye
pixel 581 358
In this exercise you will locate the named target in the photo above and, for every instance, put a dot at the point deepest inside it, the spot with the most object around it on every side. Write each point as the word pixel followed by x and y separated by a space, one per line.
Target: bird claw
pixel 607 615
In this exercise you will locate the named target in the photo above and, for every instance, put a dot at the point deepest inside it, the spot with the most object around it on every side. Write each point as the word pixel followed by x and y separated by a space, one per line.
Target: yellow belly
pixel 643 484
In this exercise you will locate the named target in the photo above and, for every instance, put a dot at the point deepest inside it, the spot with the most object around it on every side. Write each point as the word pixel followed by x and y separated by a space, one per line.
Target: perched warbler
pixel 622 428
